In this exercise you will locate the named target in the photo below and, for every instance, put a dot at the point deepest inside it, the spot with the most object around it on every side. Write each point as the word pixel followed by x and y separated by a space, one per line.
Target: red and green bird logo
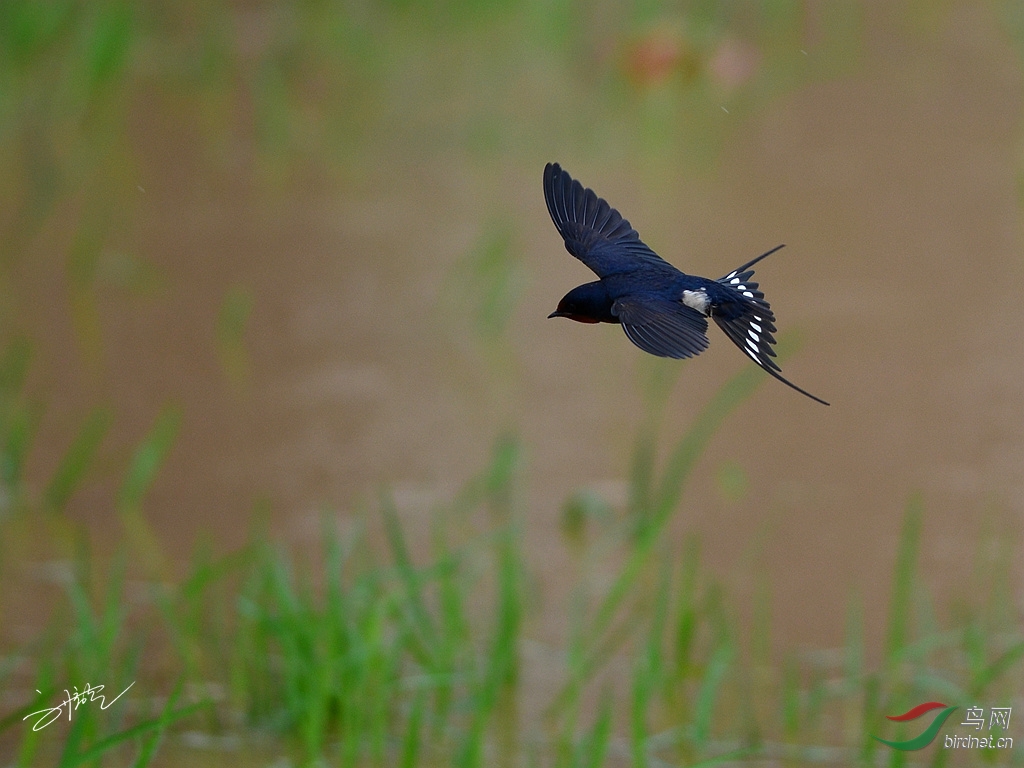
pixel 929 734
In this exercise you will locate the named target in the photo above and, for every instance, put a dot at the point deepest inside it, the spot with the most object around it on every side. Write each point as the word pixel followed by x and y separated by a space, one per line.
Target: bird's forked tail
pixel 748 320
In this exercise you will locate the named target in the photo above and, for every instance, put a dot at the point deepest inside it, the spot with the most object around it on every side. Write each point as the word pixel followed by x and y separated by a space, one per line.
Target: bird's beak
pixel 556 313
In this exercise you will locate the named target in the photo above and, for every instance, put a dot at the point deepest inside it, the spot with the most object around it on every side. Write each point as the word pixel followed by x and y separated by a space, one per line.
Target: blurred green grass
pixel 376 654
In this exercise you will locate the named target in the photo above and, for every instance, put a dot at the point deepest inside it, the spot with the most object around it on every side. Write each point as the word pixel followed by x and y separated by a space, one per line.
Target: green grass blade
pixel 681 462
pixel 108 48
pixel 142 471
pixel 684 456
pixel 687 617
pixel 21 713
pixel 20 427
pixel 997 668
pixel 595 748
pixel 76 734
pixel 853 672
pixel 413 733
pixel 232 320
pixel 903 582
pixel 76 461
pixel 152 743
pixel 411 581
pixel 148 458
pixel 657 389
pixel 158 724
pixel 708 694
pixel 790 697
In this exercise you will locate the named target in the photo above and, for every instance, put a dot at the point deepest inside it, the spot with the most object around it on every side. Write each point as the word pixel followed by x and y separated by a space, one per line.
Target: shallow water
pixel 893 185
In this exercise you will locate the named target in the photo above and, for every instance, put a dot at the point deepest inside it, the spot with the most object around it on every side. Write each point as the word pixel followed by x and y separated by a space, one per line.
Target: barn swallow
pixel 662 310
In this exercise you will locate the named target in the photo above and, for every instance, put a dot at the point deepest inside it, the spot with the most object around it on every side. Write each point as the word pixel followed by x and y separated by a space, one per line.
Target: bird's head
pixel 587 303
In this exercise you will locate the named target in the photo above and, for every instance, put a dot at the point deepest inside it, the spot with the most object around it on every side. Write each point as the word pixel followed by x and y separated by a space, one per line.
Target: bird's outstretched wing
pixel 594 232
pixel 661 327
pixel 748 320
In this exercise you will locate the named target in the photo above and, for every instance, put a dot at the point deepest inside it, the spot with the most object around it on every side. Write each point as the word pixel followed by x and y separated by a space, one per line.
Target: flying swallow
pixel 662 310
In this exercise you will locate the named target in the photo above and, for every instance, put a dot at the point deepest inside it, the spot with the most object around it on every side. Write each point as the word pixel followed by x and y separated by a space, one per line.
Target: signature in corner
pixel 89 693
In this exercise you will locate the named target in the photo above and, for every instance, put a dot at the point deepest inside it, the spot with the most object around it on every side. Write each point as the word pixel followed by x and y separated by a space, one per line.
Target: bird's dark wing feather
pixel 594 232
pixel 748 320
pixel 662 327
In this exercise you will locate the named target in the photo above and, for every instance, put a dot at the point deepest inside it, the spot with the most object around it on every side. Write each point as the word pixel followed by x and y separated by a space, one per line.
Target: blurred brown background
pixel 317 233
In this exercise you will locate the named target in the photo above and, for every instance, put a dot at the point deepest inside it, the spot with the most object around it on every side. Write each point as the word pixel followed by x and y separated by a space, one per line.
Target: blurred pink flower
pixel 733 63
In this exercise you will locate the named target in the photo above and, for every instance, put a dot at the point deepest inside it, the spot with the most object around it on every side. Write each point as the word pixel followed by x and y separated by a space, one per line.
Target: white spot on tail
pixel 754 336
pixel 756 327
pixel 748 294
